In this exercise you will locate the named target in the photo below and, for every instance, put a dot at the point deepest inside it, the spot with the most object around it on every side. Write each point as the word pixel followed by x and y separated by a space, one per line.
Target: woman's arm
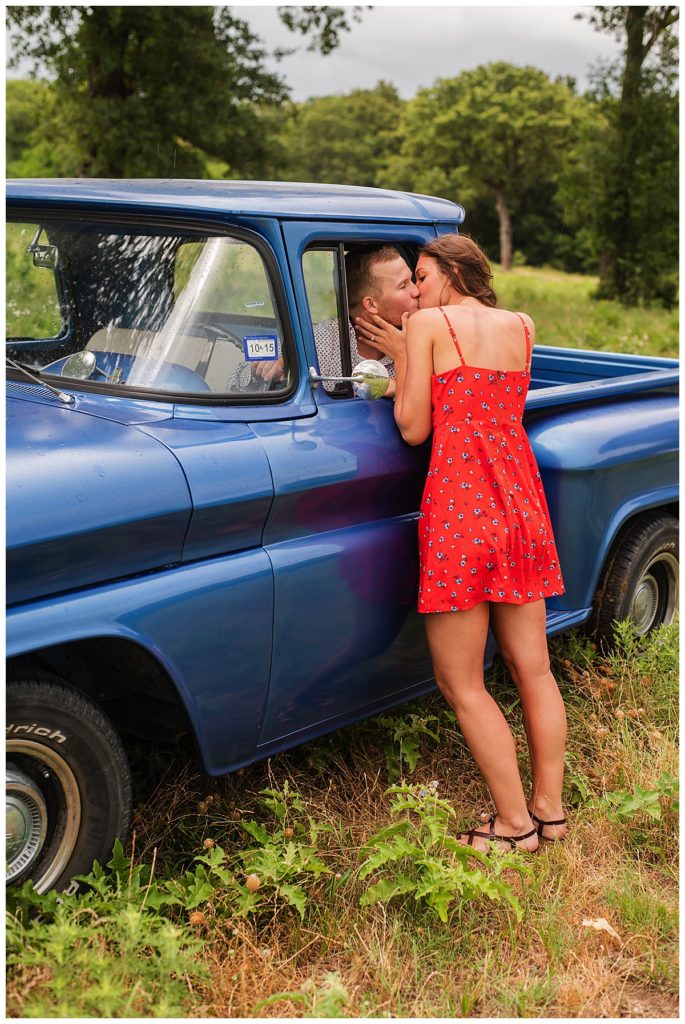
pixel 411 348
pixel 413 406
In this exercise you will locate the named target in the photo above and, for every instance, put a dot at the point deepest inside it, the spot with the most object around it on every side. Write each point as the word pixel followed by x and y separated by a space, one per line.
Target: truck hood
pixel 88 499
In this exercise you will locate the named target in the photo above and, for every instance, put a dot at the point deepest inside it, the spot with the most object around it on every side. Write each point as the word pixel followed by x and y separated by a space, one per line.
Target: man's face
pixel 396 293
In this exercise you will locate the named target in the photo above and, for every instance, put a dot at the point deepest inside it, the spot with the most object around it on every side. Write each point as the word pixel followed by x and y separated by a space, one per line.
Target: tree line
pixel 585 183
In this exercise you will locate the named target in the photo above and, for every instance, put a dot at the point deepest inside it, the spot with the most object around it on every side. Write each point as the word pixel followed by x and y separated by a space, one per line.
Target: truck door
pixel 341 532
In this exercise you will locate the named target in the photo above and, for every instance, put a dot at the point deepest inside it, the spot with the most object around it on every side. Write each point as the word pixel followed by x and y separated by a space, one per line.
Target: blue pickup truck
pixel 195 549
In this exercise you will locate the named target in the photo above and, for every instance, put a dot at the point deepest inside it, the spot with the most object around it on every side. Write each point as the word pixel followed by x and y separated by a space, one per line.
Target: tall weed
pixel 416 856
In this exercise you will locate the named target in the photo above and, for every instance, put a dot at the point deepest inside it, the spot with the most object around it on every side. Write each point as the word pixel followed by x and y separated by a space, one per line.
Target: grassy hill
pixel 566 314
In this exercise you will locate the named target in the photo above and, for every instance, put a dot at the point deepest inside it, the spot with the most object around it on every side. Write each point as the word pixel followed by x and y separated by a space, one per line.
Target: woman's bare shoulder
pixel 424 319
pixel 426 315
pixel 527 318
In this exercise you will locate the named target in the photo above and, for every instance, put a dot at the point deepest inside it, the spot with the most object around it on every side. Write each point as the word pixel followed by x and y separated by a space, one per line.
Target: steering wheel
pixel 220 334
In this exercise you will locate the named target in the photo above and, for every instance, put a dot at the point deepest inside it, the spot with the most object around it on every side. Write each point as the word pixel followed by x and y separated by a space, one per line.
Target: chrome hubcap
pixel 43 813
pixel 656 596
pixel 26 821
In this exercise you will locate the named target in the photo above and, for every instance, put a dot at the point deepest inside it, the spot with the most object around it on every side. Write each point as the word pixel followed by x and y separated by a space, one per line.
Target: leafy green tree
pixel 341 139
pixel 636 222
pixel 491 134
pixel 161 90
pixel 40 140
pixel 581 184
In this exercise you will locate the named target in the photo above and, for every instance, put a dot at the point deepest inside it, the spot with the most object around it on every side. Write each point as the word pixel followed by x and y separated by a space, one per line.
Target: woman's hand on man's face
pixel 382 336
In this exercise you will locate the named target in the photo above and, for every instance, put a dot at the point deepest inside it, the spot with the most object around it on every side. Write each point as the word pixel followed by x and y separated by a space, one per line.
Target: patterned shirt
pixel 327 341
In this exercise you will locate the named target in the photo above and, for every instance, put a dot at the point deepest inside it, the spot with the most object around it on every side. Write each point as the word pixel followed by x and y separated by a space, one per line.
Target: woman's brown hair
pixel 464 264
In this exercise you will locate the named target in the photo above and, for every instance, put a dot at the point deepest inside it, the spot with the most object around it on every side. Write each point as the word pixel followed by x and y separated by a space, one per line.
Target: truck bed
pixel 561 376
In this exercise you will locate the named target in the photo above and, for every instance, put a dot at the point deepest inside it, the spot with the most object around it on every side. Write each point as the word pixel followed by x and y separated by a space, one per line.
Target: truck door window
pixel 321 269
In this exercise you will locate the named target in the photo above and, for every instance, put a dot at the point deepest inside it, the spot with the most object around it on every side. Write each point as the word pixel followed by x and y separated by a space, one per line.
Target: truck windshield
pixel 161 312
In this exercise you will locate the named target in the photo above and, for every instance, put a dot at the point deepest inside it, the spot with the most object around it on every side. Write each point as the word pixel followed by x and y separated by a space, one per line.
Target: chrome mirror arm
pixel 316 378
pixel 370 379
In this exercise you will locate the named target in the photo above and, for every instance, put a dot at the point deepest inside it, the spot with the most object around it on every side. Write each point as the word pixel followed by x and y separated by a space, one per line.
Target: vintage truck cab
pixel 194 546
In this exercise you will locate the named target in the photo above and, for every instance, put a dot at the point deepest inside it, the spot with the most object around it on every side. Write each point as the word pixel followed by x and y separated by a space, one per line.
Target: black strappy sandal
pixel 494 837
pixel 541 824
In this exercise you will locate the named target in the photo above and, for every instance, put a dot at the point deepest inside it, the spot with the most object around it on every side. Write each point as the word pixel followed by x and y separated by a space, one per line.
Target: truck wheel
pixel 641 579
pixel 68 783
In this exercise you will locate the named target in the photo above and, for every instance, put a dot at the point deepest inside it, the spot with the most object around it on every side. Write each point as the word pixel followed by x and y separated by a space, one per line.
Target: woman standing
pixel 486 551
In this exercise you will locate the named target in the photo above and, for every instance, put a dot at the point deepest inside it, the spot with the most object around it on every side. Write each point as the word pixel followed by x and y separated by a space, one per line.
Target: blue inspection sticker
pixel 260 346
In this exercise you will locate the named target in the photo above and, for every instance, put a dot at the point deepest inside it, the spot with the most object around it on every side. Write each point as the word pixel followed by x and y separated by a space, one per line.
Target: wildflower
pixel 196 918
pixel 253 882
pixel 208 844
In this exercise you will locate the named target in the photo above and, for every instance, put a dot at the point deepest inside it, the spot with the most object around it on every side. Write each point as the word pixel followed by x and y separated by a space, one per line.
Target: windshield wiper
pixel 34 375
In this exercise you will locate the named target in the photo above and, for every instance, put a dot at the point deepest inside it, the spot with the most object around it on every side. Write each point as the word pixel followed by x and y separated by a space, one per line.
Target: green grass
pixel 176 928
pixel 640 907
pixel 566 314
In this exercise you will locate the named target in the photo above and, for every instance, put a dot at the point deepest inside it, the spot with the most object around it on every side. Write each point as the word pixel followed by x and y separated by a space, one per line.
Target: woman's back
pixel 486 337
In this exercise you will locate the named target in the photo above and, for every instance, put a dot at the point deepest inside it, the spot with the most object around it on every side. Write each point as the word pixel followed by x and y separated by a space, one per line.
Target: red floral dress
pixel 484 528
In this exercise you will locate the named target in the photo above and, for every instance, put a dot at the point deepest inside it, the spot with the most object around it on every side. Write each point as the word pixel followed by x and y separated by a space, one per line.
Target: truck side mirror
pixel 44 256
pixel 375 379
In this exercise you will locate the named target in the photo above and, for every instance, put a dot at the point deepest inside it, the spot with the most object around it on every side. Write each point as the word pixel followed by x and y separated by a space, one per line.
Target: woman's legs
pixel 520 631
pixel 457 645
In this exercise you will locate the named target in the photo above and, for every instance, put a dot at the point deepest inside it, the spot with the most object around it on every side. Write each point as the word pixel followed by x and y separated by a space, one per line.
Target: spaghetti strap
pixel 528 353
pixel 454 337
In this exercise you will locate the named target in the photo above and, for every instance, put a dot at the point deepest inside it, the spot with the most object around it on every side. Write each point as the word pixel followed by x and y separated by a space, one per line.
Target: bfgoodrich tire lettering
pixel 641 579
pixel 68 783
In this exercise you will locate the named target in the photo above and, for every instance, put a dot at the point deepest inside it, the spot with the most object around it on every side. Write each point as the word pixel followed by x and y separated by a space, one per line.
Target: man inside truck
pixel 378 281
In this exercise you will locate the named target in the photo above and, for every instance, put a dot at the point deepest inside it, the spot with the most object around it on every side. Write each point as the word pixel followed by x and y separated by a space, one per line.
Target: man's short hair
pixel 359 266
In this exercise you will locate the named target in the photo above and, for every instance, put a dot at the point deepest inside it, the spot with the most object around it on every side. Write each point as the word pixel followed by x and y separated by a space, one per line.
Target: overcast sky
pixel 412 45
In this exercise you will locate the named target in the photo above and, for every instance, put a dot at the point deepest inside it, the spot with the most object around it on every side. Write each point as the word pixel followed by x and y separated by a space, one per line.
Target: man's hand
pixel 383 337
pixel 269 369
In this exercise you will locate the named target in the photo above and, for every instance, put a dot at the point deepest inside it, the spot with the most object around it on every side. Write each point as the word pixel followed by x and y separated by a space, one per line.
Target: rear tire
pixel 68 783
pixel 641 578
